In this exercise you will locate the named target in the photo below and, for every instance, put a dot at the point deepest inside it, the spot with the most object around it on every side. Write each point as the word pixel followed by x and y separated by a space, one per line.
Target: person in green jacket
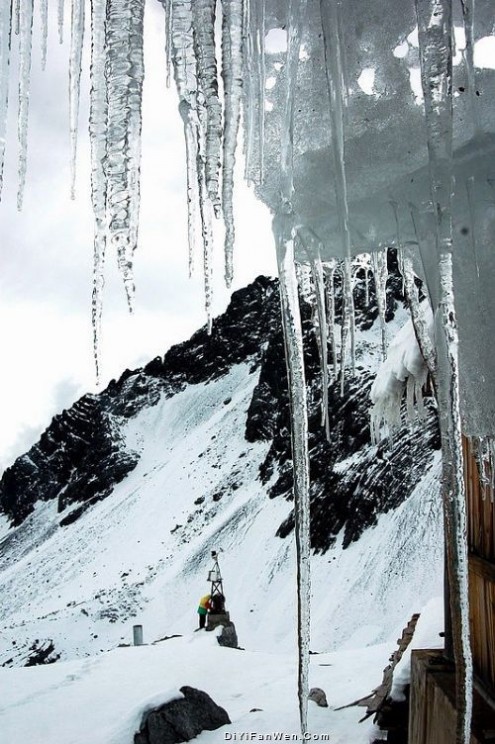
pixel 204 606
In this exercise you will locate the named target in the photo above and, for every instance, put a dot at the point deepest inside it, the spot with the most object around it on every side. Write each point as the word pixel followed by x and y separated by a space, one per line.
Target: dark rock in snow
pixel 181 720
pixel 228 636
pixel 317 695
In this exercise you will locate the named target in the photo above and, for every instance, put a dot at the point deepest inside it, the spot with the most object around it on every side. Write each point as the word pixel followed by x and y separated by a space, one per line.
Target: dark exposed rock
pixel 181 720
pixel 317 695
pixel 228 636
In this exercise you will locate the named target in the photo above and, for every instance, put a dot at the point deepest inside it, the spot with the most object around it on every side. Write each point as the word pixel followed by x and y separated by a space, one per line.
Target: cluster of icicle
pixel 210 133
pixel 117 73
pixel 404 372
pixel 115 126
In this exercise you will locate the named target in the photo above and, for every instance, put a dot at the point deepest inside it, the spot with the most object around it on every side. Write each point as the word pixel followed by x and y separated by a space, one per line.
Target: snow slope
pixel 142 554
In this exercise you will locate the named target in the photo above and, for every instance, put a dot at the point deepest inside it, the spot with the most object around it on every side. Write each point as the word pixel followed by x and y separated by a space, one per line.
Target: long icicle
pixel 25 43
pixel 5 42
pixel 468 8
pixel 75 58
pixel 204 14
pixel 44 31
pixel 97 130
pixel 181 41
pixel 380 273
pixel 124 38
pixel 334 64
pixel 252 90
pixel 168 41
pixel 262 84
pixel 232 71
pixel 313 248
pixel 329 271
pixel 294 355
pixel 410 290
pixel 17 16
pixel 435 44
pixel 60 20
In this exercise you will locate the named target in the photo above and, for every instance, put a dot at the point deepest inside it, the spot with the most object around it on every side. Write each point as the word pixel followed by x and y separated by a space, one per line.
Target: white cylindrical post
pixel 137 632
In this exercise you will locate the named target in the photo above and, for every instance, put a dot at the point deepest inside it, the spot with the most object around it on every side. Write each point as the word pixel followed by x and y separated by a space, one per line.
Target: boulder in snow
pixel 318 696
pixel 181 720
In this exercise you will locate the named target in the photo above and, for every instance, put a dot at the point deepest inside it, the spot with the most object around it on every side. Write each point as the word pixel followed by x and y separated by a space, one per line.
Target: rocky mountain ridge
pixel 82 455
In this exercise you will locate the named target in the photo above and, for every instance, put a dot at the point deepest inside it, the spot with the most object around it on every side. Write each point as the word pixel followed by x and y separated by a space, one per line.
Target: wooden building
pixel 432 704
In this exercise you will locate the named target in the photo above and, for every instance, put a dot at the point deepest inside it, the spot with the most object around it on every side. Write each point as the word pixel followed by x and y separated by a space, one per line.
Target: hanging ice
pixel 404 371
pixel 168 40
pixel 5 39
pixel 232 77
pixel 204 25
pixel 312 246
pixel 124 72
pixel 291 323
pixel 468 9
pixel 284 225
pixel 329 268
pixel 25 49
pixel 194 116
pixel 60 20
pixel 254 89
pixel 348 322
pixel 380 272
pixel 44 31
pixel 76 48
pixel 435 42
pixel 97 135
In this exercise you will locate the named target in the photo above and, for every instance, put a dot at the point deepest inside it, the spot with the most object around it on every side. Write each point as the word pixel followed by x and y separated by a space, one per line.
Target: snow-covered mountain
pixel 110 518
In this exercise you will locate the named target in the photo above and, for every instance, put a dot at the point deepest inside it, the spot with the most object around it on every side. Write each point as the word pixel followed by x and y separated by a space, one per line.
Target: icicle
pixel 291 323
pixel 363 262
pixel 124 62
pixel 348 322
pixel 435 44
pixel 380 272
pixel 468 7
pixel 304 282
pixel 204 33
pixel 232 78
pixel 168 40
pixel 331 24
pixel 205 208
pixel 5 40
pixel 194 115
pixel 44 31
pixel 76 48
pixel 17 16
pixel 329 271
pixel 297 10
pixel 97 131
pixel 312 245
pixel 181 43
pixel 192 188
pixel 25 44
pixel 294 354
pixel 253 94
pixel 262 84
pixel 419 320
pixel 60 20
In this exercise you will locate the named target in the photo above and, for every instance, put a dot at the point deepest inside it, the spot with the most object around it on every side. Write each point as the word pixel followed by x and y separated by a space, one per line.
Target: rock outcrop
pixel 181 720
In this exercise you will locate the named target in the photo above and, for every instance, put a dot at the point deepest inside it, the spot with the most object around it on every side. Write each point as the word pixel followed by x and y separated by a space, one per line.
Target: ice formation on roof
pixel 362 132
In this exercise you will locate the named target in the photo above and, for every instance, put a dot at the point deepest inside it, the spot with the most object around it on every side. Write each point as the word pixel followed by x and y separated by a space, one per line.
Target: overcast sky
pixel 46 266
